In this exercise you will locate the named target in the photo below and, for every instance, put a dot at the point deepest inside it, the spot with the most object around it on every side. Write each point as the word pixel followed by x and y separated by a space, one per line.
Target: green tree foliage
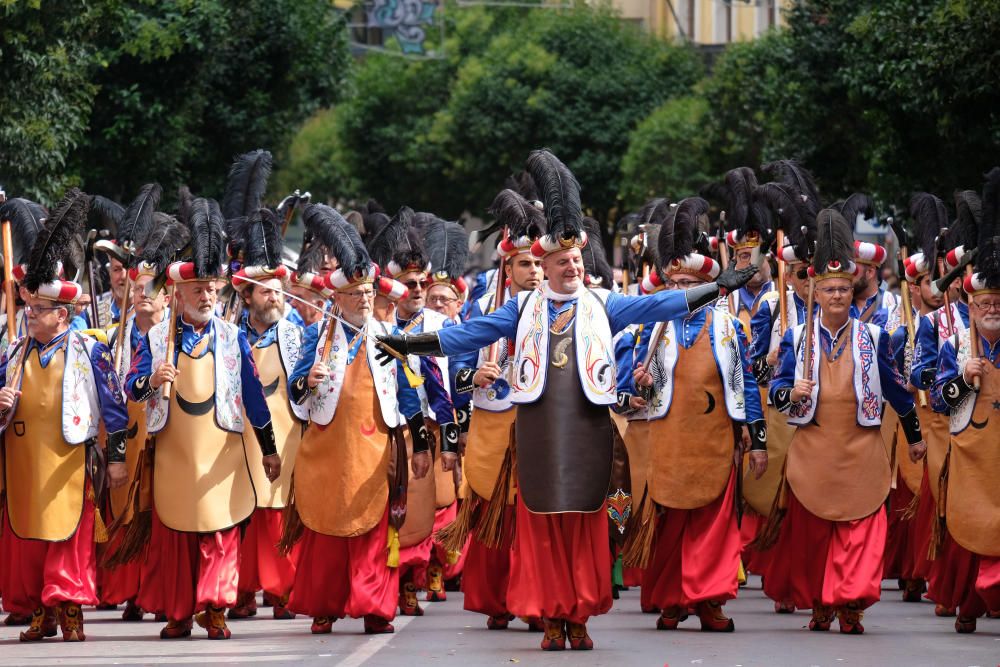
pixel 113 93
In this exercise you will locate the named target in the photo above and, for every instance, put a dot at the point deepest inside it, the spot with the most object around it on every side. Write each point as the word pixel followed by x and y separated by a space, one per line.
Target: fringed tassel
pixel 490 530
pixel 769 532
pixel 454 536
pixel 139 530
pixel 393 540
pixel 938 528
pixel 909 512
pixel 638 547
pixel 100 530
pixel 291 526
pixel 741 573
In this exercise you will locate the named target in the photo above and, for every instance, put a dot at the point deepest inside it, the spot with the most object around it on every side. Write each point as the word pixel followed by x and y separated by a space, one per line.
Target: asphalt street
pixel 897 633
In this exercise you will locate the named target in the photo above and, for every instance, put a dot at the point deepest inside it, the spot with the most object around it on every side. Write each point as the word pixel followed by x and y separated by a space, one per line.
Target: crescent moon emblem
pixel 711 402
pixel 132 431
pixel 952 391
pixel 368 430
pixel 270 388
pixel 195 409
pixel 602 372
pixel 979 425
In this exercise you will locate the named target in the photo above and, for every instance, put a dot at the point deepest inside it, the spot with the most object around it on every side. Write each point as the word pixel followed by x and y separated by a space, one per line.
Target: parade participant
pixel 54 468
pixel 872 304
pixel 275 344
pixel 561 565
pixel 487 377
pixel 447 246
pixel 691 494
pixel 349 490
pixel 833 376
pixel 121 583
pixel 933 545
pixel 907 537
pixel 967 381
pixel 197 383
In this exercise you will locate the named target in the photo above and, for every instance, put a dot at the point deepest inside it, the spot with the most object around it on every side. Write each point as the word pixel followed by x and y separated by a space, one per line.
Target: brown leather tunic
pixel 489 436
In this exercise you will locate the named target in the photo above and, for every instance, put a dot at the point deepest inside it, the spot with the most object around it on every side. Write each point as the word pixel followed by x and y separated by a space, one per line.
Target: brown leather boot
pixel 555 635
pixel 43 624
pixel 435 584
pixel 246 606
pixel 822 617
pixel 579 640
pixel 712 618
pixel 71 621
pixel 213 619
pixel 408 605
pixel 176 629
pixel 850 617
pixel 132 612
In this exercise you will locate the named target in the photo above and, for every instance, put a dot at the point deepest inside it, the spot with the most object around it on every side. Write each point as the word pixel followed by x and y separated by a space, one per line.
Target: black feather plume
pixel 835 241
pixel 677 238
pixel 52 243
pixel 106 214
pixel 392 237
pixel 990 226
pixel 340 239
pixel 560 193
pixel 447 246
pixel 208 245
pixel 523 184
pixel 595 257
pixel 791 213
pixel 858 204
pixel 654 211
pixel 740 184
pixel 263 241
pixel 965 229
pixel 929 217
pixel 138 217
pixel 184 202
pixel 27 220
pixel 167 240
pixel 246 183
pixel 518 215
pixel 310 258
pixel 790 172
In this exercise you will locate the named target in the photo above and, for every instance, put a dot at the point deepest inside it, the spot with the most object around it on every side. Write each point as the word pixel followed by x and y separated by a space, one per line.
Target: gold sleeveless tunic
pixel 838 470
pixel 691 449
pixel 760 493
pixel 341 470
pixel 134 442
pixel 201 482
pixel 973 503
pixel 287 430
pixel 45 476
pixel 490 434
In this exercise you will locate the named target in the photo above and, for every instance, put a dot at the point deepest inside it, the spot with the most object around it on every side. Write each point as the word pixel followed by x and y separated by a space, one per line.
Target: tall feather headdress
pixel 27 220
pixel 52 242
pixel 834 256
pixel 342 242
pixel 448 250
pixel 560 194
pixel 246 184
pixel 791 173
pixel 595 259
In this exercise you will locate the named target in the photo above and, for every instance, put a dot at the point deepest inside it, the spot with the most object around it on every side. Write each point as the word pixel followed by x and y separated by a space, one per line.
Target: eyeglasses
pixel 989 307
pixel 682 284
pixel 414 284
pixel 442 300
pixel 830 291
pixel 42 309
pixel 360 294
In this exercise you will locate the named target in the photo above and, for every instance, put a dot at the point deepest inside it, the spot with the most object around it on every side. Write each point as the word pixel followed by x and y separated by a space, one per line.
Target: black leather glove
pixel 731 278
pixel 418 432
pixel 449 438
pixel 116 446
pixel 422 344
pixel 265 438
pixel 758 435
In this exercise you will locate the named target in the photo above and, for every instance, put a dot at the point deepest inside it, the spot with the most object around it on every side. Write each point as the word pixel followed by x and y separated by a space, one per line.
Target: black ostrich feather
pixel 392 237
pixel 791 213
pixel 340 239
pixel 560 192
pixel 990 226
pixel 168 239
pixel 137 220
pixel 523 184
pixel 447 246
pixel 27 220
pixel 105 214
pixel 53 242
pixel 835 240
pixel 595 258
pixel 929 218
pixel 521 217
pixel 965 229
pixel 677 240
pixel 246 183
pixel 790 172
pixel 858 204
pixel 263 240
pixel 740 184
pixel 208 238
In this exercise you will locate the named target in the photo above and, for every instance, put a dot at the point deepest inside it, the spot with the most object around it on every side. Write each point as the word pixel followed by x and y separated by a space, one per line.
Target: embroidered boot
pixel 435 584
pixel 43 624
pixel 246 606
pixel 132 612
pixel 555 635
pixel 71 621
pixel 322 625
pixel 784 608
pixel 850 619
pixel 376 625
pixel 822 617
pixel 17 619
pixel 269 599
pixel 500 622
pixel 279 610
pixel 670 618
pixel 408 605
pixel 534 623
pixel 914 590
pixel 943 612
pixel 176 629
pixel 579 640
pixel 213 619
pixel 712 617
pixel 965 625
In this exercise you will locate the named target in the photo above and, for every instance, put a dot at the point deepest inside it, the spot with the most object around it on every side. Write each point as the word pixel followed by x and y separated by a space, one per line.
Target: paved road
pixel 897 634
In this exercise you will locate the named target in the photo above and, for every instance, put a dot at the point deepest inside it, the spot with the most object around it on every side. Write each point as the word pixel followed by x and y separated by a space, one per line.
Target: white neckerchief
pixel 552 295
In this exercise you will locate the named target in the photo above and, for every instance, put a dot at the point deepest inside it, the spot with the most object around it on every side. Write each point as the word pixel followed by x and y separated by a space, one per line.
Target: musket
pixel 498 297
pixel 904 293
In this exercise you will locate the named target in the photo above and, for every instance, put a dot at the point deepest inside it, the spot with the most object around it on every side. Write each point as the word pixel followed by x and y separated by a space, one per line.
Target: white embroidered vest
pixel 290 348
pixel 432 321
pixel 867 378
pixel 497 397
pixel 322 403
pixel 225 347
pixel 729 361
pixel 81 407
pixel 960 416
pixel 595 358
